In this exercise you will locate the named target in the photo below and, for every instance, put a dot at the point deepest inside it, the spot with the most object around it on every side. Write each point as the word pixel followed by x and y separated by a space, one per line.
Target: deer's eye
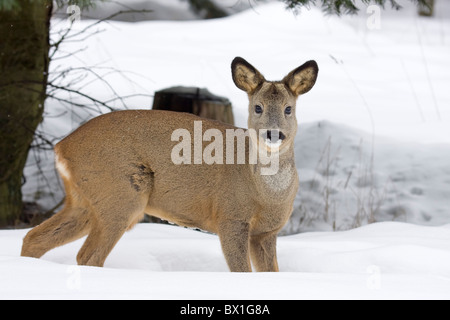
pixel 258 109
pixel 288 110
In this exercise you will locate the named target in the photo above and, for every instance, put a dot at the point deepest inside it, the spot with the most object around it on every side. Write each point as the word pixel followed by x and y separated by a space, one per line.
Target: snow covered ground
pixel 388 260
pixel 373 145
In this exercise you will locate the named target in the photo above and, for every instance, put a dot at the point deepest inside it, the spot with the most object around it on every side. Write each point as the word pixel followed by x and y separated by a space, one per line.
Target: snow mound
pixel 380 261
pixel 349 178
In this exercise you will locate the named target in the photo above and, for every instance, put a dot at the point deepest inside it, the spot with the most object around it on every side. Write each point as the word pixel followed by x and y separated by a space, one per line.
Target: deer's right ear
pixel 245 76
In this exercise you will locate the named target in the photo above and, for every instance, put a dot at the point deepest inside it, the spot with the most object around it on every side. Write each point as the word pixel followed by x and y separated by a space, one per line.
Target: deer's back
pixel 133 149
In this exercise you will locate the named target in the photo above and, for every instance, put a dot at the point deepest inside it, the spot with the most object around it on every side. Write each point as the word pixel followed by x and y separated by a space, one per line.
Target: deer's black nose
pixel 275 135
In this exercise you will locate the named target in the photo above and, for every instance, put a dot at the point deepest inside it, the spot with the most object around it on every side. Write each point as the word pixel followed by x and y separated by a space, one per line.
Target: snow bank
pixel 380 261
pixel 173 10
pixel 349 178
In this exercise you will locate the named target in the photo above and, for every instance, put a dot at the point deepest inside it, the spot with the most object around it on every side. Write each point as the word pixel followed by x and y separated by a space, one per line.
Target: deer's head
pixel 272 103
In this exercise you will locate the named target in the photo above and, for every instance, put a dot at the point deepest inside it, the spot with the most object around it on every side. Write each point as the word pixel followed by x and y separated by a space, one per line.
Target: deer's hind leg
pixel 111 219
pixel 115 211
pixel 69 224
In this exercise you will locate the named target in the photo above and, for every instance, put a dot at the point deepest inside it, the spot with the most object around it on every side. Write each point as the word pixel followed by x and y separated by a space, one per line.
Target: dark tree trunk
pixel 24 47
pixel 427 9
pixel 207 9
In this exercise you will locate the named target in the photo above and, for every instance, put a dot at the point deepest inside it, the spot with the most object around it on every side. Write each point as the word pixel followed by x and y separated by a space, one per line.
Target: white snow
pixel 373 145
pixel 387 260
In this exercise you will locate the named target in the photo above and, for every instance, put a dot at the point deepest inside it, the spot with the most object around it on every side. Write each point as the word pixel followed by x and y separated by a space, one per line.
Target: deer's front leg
pixel 234 238
pixel 263 250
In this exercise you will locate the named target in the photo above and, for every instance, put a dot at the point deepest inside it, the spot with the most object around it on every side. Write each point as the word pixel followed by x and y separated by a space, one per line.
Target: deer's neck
pixel 277 180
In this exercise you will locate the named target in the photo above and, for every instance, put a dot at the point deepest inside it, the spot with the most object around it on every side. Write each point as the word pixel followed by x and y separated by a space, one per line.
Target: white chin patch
pixel 273 145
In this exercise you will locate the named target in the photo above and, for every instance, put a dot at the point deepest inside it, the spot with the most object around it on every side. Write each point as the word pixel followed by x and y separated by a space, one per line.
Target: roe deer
pixel 118 166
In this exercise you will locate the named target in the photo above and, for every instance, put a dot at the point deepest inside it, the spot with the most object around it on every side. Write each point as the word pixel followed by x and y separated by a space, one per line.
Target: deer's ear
pixel 302 79
pixel 245 76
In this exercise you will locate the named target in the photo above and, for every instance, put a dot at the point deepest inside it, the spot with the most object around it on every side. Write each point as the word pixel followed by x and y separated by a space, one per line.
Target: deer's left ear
pixel 302 79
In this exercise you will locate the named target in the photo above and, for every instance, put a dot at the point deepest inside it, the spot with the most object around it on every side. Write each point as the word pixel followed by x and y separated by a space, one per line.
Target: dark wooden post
pixel 194 100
